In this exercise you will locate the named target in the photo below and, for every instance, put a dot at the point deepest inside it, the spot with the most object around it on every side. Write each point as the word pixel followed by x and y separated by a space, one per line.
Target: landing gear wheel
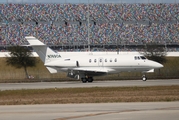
pixel 144 78
pixel 90 79
pixel 84 80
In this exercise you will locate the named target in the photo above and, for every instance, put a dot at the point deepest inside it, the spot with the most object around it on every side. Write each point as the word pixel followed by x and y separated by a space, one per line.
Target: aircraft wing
pixel 149 71
pixel 92 71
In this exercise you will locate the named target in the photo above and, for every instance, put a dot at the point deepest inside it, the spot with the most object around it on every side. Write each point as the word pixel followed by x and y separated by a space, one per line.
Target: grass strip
pixel 89 95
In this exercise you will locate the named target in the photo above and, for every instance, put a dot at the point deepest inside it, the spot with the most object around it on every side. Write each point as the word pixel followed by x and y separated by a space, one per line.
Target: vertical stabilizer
pixel 45 53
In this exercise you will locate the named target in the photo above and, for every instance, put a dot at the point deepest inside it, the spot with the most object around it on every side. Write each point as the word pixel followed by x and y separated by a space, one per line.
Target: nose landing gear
pixel 144 78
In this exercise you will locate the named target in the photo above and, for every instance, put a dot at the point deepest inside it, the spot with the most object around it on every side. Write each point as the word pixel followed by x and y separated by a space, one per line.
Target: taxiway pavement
pixel 99 111
pixel 77 84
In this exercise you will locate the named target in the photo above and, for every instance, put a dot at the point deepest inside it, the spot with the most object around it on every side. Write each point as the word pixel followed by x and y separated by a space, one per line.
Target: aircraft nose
pixel 158 65
pixel 154 64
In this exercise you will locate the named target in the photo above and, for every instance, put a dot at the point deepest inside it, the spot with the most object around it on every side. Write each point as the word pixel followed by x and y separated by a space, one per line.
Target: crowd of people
pixel 109 23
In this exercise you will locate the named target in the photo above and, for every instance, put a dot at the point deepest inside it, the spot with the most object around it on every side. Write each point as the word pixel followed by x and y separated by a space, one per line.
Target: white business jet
pixel 86 66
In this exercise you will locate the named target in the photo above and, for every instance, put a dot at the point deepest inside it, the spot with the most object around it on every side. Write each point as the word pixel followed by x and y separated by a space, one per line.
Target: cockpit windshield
pixel 143 58
pixel 140 58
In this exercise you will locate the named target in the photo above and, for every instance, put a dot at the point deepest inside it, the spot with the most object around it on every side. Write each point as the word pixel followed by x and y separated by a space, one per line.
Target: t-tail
pixel 46 54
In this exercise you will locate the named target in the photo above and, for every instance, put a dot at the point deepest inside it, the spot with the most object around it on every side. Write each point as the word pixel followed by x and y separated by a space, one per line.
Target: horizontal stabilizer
pixel 52 70
pixel 33 41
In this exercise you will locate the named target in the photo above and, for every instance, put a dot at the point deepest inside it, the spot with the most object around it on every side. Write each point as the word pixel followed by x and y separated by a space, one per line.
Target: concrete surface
pixel 101 111
pixel 75 84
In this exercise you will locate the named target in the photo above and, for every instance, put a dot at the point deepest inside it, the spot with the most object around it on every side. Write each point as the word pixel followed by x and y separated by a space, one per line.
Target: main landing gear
pixel 87 79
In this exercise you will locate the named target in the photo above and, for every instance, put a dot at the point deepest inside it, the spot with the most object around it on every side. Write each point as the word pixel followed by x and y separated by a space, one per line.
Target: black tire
pixel 144 78
pixel 90 79
pixel 84 80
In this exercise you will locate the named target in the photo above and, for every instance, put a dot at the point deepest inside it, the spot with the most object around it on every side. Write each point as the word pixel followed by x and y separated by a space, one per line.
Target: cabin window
pixel 94 60
pixel 137 58
pixel 110 60
pixel 106 60
pixel 90 60
pixel 115 60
